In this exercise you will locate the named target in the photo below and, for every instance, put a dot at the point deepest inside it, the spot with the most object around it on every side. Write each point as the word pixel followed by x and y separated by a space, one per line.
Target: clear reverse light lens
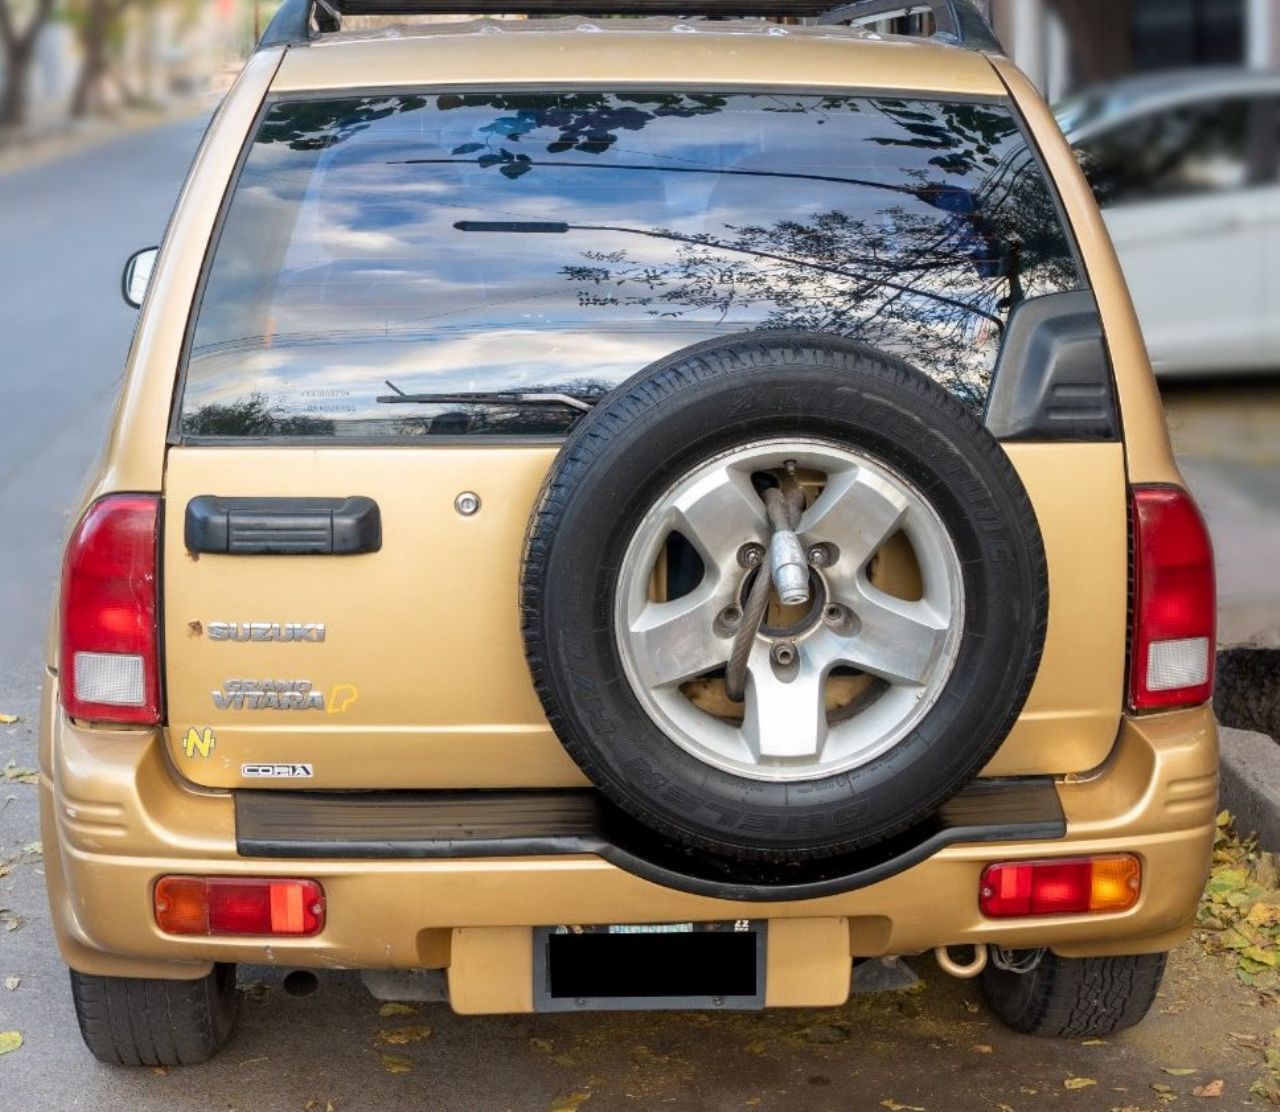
pixel 117 679
pixel 1175 664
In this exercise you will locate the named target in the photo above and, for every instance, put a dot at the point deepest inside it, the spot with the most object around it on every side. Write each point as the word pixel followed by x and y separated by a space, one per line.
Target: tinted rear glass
pixel 559 243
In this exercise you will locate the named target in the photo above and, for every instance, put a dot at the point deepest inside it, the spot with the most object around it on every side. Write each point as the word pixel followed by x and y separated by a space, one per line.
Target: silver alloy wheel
pixel 786 734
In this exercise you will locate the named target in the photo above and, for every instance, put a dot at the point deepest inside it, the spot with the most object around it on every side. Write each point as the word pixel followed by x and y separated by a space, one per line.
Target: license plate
pixel 650 966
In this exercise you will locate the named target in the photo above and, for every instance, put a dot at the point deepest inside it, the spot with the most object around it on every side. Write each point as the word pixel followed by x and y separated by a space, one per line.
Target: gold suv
pixel 627 514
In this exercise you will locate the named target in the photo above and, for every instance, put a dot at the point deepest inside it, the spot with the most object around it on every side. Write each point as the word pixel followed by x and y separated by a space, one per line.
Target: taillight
pixel 1172 651
pixel 214 905
pixel 109 662
pixel 1065 886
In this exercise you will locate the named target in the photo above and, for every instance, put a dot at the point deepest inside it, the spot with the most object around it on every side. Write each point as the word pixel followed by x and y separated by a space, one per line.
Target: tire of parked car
pixel 1074 998
pixel 140 1021
pixel 878 418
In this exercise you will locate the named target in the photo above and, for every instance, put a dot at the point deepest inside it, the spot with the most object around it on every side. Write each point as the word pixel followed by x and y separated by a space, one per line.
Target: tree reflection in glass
pixel 526 242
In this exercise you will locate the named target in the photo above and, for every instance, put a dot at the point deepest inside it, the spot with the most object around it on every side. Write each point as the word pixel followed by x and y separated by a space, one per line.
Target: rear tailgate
pixel 420 679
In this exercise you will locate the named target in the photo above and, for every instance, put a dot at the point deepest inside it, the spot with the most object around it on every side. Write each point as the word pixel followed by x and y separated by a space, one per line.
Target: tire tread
pixel 134 1021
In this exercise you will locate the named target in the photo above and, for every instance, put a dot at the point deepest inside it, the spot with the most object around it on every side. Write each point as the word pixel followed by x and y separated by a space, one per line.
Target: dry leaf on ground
pixel 15 773
pixel 403 1036
pixel 1078 1082
pixel 396 1063
pixel 393 1009
pixel 1211 1090
pixel 10 1041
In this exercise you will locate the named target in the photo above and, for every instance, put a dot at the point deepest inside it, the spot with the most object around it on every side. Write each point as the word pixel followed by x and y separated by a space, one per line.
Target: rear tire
pixel 1075 997
pixel 136 1021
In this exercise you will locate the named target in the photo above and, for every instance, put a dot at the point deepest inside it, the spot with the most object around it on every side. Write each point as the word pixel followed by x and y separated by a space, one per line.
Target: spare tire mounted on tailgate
pixel 782 596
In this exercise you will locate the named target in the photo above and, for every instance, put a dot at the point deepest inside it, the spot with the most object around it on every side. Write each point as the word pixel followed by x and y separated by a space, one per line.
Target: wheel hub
pixel 830 684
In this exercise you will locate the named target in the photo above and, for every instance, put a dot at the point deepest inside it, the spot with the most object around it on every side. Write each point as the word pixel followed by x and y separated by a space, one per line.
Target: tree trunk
pixel 1099 33
pixel 19 52
pixel 93 41
pixel 14 99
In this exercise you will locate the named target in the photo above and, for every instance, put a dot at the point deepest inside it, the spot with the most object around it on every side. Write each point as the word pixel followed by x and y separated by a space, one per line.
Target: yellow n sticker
pixel 199 742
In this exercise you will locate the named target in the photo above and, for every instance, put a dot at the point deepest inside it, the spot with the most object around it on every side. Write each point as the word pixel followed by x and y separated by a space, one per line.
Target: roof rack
pixel 299 22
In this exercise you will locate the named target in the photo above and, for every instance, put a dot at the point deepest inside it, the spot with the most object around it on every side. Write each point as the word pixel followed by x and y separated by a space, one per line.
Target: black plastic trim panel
pixel 282 526
pixel 1053 380
pixel 476 824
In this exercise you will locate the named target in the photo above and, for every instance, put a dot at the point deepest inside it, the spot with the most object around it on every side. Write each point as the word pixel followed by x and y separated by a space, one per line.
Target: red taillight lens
pixel 1172 650
pixel 230 905
pixel 109 660
pixel 1069 886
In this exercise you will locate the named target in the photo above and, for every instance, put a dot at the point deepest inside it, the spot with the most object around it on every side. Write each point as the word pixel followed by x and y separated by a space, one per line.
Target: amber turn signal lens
pixel 1065 886
pixel 239 906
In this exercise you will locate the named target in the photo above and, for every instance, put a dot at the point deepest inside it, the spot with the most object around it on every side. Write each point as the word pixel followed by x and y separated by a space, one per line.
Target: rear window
pixel 544 243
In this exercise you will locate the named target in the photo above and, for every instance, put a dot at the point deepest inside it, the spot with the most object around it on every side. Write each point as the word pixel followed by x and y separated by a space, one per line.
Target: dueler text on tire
pixel 779 719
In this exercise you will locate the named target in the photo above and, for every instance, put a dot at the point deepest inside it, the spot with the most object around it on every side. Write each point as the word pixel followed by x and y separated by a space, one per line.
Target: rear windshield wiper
pixel 484 397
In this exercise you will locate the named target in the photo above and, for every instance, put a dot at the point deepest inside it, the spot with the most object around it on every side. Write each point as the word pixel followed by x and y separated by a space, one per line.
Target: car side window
pixel 1183 151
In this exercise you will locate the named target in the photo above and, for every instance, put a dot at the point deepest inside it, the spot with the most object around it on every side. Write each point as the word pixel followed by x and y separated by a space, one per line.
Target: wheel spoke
pixel 784 719
pixel 676 641
pixel 857 512
pixel 897 640
pixel 719 514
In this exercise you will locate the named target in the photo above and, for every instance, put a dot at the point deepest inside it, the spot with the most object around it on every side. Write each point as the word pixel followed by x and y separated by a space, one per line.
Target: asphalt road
pixel 65 229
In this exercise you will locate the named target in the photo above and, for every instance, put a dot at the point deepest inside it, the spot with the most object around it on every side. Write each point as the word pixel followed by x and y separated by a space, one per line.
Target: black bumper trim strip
pixel 420 825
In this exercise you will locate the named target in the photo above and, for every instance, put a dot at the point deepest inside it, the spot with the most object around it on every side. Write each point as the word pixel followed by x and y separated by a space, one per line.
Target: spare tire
pixel 865 708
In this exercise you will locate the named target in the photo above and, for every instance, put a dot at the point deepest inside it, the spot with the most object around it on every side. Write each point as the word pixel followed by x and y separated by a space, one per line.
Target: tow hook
pixel 965 972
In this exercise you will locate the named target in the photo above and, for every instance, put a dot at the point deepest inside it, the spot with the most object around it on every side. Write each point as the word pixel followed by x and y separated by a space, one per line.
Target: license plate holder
pixel 650 967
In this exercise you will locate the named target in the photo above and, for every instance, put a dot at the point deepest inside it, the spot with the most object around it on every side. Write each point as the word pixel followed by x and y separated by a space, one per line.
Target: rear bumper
pixel 115 817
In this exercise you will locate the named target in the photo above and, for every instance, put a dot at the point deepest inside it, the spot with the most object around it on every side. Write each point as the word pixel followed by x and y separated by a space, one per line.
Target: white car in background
pixel 1184 166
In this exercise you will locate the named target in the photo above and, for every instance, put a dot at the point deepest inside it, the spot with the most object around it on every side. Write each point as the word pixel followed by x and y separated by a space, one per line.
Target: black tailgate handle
pixel 283 526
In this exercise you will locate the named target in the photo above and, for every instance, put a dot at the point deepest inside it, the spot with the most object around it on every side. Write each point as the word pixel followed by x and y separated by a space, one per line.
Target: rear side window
pixel 537 243
pixel 1186 151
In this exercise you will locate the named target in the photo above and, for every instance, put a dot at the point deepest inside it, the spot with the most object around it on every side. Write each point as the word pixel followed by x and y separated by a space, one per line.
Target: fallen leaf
pixel 544 1045
pixel 1094 1042
pixel 16 773
pixel 313 1105
pixel 36 849
pixel 571 1103
pixel 1078 1082
pixel 1161 1087
pixel 1178 1071
pixel 1210 1091
pixel 389 1010
pixel 982 1048
pixel 9 719
pixel 9 920
pixel 10 1041
pixel 403 1036
pixel 160 1071
pixel 12 983
pixel 396 1063
pixel 894 1106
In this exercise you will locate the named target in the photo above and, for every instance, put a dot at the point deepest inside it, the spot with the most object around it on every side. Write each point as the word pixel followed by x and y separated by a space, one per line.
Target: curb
pixel 1250 784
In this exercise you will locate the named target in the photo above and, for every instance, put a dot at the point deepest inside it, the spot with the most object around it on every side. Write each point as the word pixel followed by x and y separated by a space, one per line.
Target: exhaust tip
pixel 300 982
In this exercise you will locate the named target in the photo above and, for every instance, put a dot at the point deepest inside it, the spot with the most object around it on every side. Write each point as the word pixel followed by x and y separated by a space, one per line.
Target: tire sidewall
pixel 616 469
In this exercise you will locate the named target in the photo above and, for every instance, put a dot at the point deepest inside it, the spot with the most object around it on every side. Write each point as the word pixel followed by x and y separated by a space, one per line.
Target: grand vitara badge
pixel 241 694
pixel 266 631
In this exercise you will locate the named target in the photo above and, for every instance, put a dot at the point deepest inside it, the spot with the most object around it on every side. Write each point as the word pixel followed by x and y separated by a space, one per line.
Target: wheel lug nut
pixel 751 555
pixel 834 614
pixel 820 555
pixel 783 654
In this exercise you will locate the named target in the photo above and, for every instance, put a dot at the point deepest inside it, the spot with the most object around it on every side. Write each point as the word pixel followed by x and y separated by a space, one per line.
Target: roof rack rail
pixel 298 22
pixel 956 21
